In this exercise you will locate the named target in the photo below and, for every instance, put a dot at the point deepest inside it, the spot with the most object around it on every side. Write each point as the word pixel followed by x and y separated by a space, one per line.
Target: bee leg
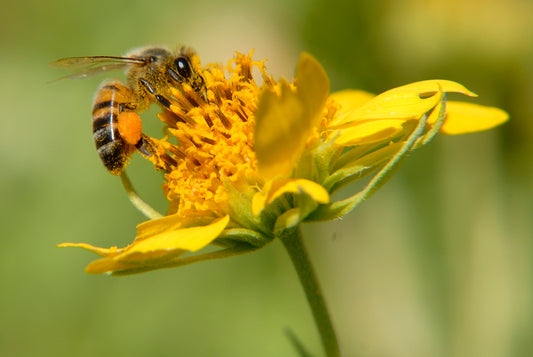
pixel 146 146
pixel 161 160
pixel 161 99
pixel 204 90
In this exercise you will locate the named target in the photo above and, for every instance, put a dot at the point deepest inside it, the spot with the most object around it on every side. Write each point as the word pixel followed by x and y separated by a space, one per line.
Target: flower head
pixel 246 162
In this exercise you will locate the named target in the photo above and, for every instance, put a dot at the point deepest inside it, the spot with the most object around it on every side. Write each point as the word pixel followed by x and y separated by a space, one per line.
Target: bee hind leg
pixel 146 146
pixel 155 153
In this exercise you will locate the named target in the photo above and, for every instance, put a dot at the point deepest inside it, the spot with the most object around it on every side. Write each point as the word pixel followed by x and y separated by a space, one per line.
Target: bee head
pixel 181 69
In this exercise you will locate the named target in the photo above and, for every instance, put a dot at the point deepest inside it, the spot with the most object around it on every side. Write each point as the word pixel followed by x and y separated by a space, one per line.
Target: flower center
pixel 214 139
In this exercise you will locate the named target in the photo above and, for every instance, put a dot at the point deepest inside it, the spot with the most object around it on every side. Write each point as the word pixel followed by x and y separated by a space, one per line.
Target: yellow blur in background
pixel 438 263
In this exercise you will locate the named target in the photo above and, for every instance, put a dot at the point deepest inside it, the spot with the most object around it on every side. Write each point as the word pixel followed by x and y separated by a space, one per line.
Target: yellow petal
pixel 350 99
pixel 368 132
pixel 277 188
pixel 430 87
pixel 436 113
pixel 284 123
pixel 288 220
pixel 467 117
pixel 393 104
pixel 190 239
pixel 276 118
pixel 312 85
pixel 410 101
pixel 167 223
pixel 105 252
pixel 154 250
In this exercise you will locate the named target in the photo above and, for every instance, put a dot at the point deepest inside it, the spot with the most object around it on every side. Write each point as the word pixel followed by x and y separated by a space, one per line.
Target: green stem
pixel 136 200
pixel 292 240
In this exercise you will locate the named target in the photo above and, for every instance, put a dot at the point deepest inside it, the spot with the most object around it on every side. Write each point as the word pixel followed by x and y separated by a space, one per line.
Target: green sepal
pixel 230 237
pixel 360 168
pixel 334 210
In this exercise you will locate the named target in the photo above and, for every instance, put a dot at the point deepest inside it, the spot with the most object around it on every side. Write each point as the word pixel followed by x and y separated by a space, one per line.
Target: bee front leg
pixel 161 99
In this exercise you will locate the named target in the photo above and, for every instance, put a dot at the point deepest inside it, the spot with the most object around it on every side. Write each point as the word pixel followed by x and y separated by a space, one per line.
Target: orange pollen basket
pixel 130 127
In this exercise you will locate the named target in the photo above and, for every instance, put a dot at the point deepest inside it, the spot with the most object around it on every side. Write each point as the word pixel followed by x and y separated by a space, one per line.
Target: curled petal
pixel 277 188
pixel 465 118
pixel 393 104
pixel 410 101
pixel 383 116
pixel 430 87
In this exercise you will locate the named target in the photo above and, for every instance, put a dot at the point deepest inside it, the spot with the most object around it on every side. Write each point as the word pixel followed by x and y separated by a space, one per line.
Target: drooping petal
pixel 156 249
pixel 284 122
pixel 465 118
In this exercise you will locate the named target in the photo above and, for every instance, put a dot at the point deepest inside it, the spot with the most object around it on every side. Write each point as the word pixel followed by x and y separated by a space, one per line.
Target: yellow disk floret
pixel 210 138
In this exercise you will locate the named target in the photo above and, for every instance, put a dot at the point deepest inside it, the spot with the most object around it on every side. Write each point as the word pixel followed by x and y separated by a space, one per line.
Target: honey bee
pixel 150 72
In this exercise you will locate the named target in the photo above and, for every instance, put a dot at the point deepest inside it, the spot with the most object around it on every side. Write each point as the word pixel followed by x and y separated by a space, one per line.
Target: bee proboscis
pixel 150 72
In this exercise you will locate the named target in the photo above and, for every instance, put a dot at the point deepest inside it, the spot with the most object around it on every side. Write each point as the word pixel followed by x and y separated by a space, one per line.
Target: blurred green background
pixel 438 263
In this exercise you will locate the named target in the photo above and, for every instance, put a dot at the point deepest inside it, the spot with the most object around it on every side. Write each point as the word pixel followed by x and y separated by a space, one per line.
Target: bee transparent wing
pixel 93 71
pixel 84 67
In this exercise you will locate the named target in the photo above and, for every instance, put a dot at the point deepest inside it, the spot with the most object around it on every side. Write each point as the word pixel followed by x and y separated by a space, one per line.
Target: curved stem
pixel 293 243
pixel 136 200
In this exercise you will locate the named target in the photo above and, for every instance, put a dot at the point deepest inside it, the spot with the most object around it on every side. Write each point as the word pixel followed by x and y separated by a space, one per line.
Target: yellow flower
pixel 246 162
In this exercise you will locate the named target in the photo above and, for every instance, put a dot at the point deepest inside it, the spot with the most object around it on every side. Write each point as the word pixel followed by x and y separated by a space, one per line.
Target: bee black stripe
pixel 105 136
pixel 106 104
pixel 104 120
pixel 113 156
pixel 111 149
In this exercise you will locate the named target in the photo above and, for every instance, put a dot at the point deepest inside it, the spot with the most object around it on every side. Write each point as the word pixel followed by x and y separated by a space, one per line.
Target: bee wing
pixel 89 72
pixel 84 67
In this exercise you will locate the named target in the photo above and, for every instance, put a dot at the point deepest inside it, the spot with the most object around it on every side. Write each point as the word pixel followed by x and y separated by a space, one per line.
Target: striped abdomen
pixel 109 101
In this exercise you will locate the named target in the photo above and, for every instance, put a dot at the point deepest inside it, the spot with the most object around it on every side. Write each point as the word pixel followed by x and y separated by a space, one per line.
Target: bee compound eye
pixel 183 67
